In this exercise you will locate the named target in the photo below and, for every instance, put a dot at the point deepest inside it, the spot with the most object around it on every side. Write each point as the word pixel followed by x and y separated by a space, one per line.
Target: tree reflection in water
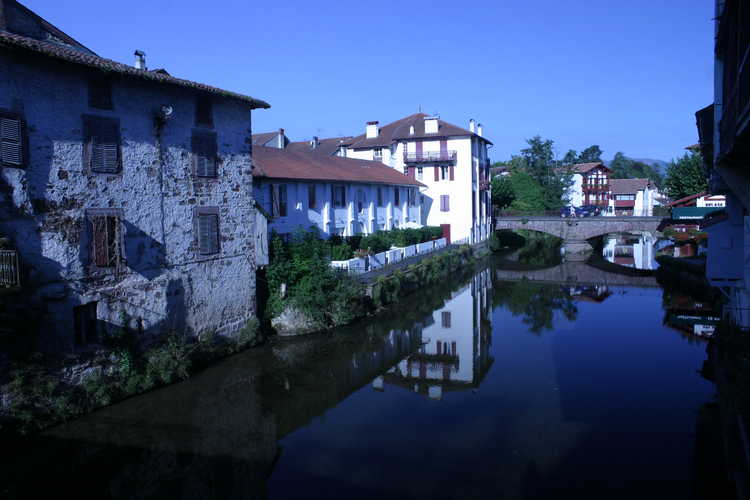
pixel 536 302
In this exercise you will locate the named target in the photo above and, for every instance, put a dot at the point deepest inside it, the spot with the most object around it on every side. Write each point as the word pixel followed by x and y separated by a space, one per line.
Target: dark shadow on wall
pixel 143 254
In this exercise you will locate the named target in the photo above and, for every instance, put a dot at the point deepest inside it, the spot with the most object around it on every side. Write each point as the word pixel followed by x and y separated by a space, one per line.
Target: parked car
pixel 567 212
pixel 588 211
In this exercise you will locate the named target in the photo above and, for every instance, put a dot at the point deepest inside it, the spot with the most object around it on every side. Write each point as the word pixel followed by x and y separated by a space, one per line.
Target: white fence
pixel 360 265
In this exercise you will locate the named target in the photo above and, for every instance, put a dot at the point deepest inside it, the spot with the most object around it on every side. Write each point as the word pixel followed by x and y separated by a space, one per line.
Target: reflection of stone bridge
pixel 576 273
pixel 576 230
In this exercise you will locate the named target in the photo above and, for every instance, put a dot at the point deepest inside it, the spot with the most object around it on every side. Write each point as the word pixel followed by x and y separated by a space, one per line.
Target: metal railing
pixel 429 156
pixel 9 275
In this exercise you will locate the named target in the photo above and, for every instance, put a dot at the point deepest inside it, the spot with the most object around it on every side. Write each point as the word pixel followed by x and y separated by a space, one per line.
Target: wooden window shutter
pixel 437 173
pixel 11 142
pixel 451 173
pixel 102 141
pixel 274 200
pixel 208 234
pixel 204 154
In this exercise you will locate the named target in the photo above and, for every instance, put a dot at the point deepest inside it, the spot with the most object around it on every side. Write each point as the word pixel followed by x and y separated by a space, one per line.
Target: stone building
pixel 126 192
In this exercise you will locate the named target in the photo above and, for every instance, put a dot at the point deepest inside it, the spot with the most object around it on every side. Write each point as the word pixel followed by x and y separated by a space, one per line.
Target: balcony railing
pixel 429 157
pixel 592 186
pixel 9 269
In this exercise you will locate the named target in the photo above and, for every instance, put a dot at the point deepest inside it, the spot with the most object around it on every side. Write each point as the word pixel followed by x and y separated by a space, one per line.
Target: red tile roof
pixel 583 168
pixel 26 45
pixel 277 163
pixel 327 146
pixel 628 186
pixel 263 137
pixel 687 199
pixel 400 129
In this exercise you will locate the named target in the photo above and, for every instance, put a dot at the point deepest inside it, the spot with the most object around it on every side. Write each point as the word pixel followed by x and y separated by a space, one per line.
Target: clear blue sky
pixel 627 75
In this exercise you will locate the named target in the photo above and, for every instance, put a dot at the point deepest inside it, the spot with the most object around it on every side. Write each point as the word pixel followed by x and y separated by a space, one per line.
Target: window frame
pixel 279 200
pixel 312 196
pixel 445 203
pixel 196 137
pixel 88 144
pixel 396 197
pixel 380 197
pixel 198 213
pixel 335 191
pixel 24 139
pixel 91 227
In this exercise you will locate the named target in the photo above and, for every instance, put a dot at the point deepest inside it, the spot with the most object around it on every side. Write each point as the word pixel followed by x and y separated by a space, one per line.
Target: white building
pixel 589 185
pixel 451 161
pixel 632 197
pixel 337 195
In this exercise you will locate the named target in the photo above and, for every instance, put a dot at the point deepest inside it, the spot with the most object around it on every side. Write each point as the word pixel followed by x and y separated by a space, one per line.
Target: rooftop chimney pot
pixel 371 130
pixel 472 126
pixel 140 59
pixel 479 129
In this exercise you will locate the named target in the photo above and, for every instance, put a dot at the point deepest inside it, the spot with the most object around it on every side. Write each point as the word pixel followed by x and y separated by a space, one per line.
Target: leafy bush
pixel 341 252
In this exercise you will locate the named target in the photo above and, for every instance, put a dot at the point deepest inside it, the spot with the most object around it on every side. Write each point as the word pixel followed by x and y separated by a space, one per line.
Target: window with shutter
pixel 100 92
pixel 396 197
pixel 204 111
pixel 311 198
pixel 204 154
pixel 11 141
pixel 380 197
pixel 282 200
pixel 444 203
pixel 208 233
pixel 106 249
pixel 102 143
pixel 275 209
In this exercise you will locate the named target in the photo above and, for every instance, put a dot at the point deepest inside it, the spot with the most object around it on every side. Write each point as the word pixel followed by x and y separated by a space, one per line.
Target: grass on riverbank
pixel 37 397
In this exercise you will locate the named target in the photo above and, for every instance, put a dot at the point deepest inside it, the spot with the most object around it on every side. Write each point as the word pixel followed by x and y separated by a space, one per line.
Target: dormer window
pixel 377 154
pixel 204 114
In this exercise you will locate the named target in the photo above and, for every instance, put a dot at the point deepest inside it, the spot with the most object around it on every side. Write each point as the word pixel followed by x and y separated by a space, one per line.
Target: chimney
pixel 371 131
pixel 314 142
pixel 472 126
pixel 431 124
pixel 479 129
pixel 140 59
pixel 280 139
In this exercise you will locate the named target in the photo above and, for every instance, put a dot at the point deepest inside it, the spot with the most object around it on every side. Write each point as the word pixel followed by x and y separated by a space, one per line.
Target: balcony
pixel 592 186
pixel 430 157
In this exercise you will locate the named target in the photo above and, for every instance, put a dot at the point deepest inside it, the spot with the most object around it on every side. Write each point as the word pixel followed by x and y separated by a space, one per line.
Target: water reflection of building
pixel 631 250
pixel 689 315
pixel 589 293
pixel 455 345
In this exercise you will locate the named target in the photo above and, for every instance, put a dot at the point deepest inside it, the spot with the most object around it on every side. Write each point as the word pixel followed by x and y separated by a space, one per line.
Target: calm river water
pixel 490 386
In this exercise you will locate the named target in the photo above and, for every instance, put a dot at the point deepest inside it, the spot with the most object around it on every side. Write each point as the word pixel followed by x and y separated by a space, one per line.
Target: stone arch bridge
pixel 575 231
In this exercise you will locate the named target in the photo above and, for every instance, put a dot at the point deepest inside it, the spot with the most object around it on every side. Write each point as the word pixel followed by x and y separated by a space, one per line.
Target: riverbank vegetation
pixel 36 396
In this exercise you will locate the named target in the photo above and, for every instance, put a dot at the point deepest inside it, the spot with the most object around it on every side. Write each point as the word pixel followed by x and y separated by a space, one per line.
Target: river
pixel 491 385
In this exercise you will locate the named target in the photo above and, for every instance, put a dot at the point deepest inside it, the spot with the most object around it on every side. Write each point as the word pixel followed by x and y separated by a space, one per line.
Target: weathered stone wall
pixel 166 284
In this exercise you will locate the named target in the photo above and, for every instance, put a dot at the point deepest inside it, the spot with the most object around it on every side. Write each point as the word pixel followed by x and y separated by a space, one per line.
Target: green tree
pixel 590 155
pixel 570 158
pixel 529 194
pixel 624 168
pixel 502 191
pixel 539 162
pixel 685 176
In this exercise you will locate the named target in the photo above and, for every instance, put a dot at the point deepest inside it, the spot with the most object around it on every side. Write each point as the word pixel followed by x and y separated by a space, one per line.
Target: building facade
pixel 450 161
pixel 589 185
pixel 632 197
pixel 125 192
pixel 724 132
pixel 337 195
